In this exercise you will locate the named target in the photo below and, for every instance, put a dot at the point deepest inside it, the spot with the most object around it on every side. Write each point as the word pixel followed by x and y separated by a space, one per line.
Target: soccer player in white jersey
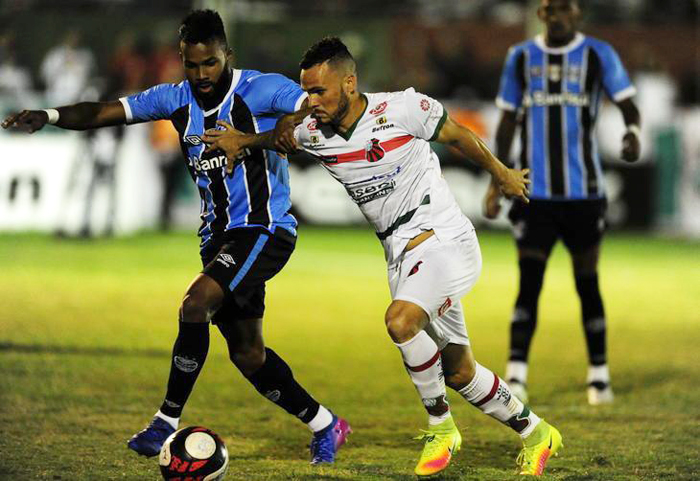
pixel 377 146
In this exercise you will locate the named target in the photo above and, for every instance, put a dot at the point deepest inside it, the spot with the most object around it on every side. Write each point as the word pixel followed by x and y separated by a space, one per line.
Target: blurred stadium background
pixel 61 51
pixel 86 327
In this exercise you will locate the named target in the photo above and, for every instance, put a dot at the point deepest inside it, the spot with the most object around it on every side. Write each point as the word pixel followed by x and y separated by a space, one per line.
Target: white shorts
pixel 435 276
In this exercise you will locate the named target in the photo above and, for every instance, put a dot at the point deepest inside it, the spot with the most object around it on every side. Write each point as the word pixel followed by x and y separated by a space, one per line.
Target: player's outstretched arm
pixel 81 116
pixel 233 142
pixel 511 182
pixel 631 147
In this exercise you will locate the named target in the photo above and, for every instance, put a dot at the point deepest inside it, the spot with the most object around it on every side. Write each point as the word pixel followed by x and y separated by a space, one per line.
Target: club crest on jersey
pixel 193 140
pixel 379 109
pixel 374 150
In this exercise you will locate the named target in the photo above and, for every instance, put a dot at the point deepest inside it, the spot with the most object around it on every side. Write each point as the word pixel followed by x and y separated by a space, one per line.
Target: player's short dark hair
pixel 202 26
pixel 330 49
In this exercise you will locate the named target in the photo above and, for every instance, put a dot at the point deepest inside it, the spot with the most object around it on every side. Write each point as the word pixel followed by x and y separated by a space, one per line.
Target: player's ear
pixel 229 56
pixel 350 83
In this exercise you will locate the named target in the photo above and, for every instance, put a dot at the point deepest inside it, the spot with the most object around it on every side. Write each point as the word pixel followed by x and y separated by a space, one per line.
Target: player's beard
pixel 343 105
pixel 219 91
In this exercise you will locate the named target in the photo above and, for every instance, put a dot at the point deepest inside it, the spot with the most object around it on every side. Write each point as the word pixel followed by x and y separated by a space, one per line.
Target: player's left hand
pixel 229 140
pixel 631 147
pixel 513 184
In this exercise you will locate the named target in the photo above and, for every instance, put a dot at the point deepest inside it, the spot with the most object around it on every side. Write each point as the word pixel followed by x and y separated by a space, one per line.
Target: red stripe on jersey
pixel 491 394
pixel 426 364
pixel 387 145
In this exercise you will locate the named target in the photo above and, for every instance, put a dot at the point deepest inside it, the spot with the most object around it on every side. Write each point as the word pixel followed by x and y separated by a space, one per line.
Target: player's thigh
pixel 241 266
pixel 535 229
pixel 583 227
pixel 436 274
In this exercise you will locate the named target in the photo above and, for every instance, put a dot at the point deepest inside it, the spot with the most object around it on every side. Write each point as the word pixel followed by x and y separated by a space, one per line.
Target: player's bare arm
pixel 232 141
pixel 504 139
pixel 631 147
pixel 511 182
pixel 80 116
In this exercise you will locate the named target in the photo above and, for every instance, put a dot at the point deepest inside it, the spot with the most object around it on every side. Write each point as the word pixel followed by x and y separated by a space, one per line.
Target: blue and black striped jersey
pixel 256 194
pixel 557 92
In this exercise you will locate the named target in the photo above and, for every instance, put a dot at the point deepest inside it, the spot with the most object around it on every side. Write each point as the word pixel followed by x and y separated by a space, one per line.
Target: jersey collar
pixel 235 77
pixel 575 42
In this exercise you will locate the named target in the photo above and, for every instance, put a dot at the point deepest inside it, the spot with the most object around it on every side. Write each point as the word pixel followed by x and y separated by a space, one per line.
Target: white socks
pixel 598 374
pixel 174 422
pixel 517 370
pixel 424 364
pixel 321 421
pixel 492 395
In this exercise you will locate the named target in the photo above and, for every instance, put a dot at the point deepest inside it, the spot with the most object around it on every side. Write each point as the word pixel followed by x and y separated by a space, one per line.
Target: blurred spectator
pixel 66 70
pixel 15 81
pixel 129 65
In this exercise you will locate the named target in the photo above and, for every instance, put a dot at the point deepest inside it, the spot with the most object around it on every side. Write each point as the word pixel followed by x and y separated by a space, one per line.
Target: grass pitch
pixel 86 329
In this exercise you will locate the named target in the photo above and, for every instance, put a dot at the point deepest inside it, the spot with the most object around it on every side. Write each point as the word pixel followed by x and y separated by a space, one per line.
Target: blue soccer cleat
pixel 325 444
pixel 149 441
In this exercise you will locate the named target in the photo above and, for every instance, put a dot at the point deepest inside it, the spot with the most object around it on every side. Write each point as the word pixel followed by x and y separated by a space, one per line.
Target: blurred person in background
pixel 247 232
pixel 15 80
pixel 66 70
pixel 551 89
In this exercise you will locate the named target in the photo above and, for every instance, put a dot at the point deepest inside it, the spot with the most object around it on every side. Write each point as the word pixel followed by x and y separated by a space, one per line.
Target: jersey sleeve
pixel 616 81
pixel 510 92
pixel 425 116
pixel 156 103
pixel 274 94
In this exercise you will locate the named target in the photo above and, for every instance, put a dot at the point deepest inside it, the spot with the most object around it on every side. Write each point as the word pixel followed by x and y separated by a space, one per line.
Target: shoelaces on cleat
pixel 322 448
pixel 430 445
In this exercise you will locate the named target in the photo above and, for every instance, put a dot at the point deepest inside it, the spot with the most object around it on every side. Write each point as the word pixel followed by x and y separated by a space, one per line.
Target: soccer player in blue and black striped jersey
pixel 247 232
pixel 551 87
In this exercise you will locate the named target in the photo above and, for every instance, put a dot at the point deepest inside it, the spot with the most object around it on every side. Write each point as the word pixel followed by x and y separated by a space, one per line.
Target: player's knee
pixel 195 308
pixel 248 359
pixel 400 325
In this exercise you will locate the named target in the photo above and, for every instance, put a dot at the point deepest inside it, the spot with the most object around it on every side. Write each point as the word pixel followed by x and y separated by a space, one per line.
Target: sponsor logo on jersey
pixel 383 127
pixel 193 140
pixel 362 195
pixel 315 139
pixel 313 125
pixel 381 120
pixel 554 72
pixel 445 306
pixel 375 152
pixel 542 99
pixel 226 259
pixel 379 109
pixel 199 164
pixel 425 104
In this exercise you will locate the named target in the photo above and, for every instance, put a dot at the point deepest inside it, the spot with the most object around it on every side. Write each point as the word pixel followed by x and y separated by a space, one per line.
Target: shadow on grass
pixel 81 350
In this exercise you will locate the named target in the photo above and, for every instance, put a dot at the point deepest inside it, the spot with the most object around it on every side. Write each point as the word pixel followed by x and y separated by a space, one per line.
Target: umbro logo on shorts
pixel 226 259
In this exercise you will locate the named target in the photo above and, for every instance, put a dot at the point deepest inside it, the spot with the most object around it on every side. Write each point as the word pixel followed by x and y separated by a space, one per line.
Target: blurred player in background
pixel 247 233
pixel 377 146
pixel 551 88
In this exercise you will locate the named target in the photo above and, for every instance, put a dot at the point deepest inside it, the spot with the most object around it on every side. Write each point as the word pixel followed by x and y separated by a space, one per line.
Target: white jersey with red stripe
pixel 386 165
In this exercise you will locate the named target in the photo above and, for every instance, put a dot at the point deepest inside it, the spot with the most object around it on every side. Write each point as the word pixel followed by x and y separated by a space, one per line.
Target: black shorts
pixel 241 262
pixel 579 223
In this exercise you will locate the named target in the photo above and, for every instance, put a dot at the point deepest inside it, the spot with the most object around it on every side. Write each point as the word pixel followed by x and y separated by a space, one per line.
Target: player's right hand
pixel 27 120
pixel 284 135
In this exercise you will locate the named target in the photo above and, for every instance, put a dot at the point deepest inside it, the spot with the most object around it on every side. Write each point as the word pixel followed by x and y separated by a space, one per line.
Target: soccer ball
pixel 193 453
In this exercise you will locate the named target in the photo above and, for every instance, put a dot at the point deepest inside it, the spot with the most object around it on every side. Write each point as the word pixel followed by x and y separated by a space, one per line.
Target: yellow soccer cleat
pixel 441 442
pixel 542 443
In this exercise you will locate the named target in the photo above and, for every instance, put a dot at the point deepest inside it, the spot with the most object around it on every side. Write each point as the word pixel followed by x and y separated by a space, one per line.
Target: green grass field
pixel 86 330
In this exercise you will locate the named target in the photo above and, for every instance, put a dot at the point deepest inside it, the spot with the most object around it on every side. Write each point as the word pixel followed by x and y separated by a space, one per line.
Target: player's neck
pixel 562 41
pixel 357 107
